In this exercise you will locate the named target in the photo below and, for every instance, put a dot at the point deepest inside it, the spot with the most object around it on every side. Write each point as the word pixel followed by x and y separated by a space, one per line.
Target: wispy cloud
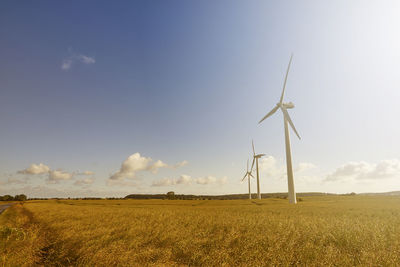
pixel 165 182
pixel 86 59
pixel 123 183
pixel 211 180
pixel 361 170
pixel 270 167
pixel 186 180
pixel 180 164
pixel 156 166
pixel 35 169
pixel 84 182
pixel 59 175
pixel 183 179
pixel 87 173
pixel 305 166
pixel 55 176
pixel 66 64
pixel 12 180
pixel 136 163
pixel 74 58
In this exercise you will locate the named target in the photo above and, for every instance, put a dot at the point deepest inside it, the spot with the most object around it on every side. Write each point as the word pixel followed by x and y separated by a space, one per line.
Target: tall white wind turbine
pixel 286 119
pixel 248 175
pixel 255 159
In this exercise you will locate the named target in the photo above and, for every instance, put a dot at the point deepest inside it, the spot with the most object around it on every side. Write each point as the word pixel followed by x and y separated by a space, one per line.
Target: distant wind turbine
pixel 255 159
pixel 248 175
pixel 286 120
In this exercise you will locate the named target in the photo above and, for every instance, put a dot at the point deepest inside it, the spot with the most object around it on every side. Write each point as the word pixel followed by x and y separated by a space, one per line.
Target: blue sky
pixel 85 85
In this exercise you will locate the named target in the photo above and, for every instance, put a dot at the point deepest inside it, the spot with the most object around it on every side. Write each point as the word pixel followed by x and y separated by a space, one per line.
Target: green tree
pixel 171 195
pixel 21 197
pixel 7 198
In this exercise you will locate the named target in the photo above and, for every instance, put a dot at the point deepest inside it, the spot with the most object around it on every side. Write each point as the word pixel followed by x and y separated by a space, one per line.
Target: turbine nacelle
pixel 259 156
pixel 288 105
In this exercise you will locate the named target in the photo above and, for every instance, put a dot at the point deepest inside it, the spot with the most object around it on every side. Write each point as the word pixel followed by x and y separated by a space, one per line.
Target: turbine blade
pixel 251 175
pixel 269 113
pixel 244 177
pixel 287 117
pixel 284 83
pixel 252 164
pixel 247 165
pixel 254 151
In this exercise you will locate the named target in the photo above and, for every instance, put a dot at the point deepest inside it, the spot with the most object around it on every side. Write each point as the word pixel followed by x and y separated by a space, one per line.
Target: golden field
pixel 319 231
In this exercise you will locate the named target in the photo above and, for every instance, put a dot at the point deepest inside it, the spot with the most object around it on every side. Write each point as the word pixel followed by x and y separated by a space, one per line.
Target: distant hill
pixel 221 197
pixel 392 193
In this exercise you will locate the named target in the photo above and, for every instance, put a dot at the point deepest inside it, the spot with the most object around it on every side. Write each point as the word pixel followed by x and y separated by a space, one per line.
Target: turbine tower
pixel 286 119
pixel 255 159
pixel 248 175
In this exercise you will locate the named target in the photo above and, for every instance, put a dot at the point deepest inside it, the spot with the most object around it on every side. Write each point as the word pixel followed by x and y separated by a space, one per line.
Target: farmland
pixel 319 231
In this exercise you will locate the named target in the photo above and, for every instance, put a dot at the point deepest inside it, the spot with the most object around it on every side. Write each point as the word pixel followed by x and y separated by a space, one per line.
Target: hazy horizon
pixel 101 99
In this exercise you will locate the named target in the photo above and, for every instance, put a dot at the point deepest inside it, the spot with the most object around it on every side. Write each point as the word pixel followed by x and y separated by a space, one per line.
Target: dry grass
pixel 320 231
pixel 20 241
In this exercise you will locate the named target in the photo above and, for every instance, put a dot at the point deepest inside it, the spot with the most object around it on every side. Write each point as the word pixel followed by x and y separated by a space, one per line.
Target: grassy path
pixel 24 241
pixel 4 207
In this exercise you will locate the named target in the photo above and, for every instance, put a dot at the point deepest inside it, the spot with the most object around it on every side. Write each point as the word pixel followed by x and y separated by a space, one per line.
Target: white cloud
pixel 35 169
pixel 180 164
pixel 86 59
pixel 366 171
pixel 159 164
pixel 183 179
pixel 66 64
pixel 54 176
pixel 223 180
pixel 58 175
pixel 270 167
pixel 12 180
pixel 156 165
pixel 129 167
pixel 136 163
pixel 87 173
pixel 84 182
pixel 164 182
pixel 305 166
pixel 206 180
pixel 69 61
pixel 211 180
pixel 123 183
pixel 186 179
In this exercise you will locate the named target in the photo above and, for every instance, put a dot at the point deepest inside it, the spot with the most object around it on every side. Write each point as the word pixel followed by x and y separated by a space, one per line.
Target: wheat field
pixel 319 231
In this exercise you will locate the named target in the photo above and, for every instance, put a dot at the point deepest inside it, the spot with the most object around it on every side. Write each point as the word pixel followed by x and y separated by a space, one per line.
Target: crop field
pixel 319 231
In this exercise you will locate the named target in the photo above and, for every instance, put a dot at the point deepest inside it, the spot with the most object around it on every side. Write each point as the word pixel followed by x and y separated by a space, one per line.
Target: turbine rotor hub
pixel 288 105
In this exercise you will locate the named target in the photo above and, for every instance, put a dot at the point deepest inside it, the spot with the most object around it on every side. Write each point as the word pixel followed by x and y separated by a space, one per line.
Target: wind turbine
pixel 255 159
pixel 286 120
pixel 248 175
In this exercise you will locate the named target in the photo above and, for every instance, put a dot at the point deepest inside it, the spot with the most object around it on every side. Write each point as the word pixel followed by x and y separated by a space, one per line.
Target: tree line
pixel 21 197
